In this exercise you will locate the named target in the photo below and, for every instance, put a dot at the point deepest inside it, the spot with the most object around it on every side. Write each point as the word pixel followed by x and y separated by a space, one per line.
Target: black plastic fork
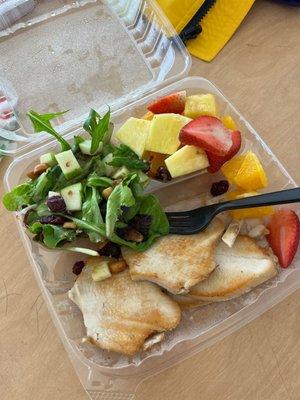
pixel 193 221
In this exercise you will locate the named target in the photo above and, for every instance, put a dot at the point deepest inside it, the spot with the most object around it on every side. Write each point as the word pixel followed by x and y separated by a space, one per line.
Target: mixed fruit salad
pixel 95 187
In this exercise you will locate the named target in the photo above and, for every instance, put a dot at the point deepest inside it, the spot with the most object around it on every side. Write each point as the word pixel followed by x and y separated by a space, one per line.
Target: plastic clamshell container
pixel 110 376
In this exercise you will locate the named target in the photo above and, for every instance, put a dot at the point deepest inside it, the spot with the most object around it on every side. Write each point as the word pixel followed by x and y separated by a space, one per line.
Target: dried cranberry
pixel 53 220
pixel 142 223
pixel 78 267
pixel 218 188
pixel 163 174
pixel 56 204
pixel 110 250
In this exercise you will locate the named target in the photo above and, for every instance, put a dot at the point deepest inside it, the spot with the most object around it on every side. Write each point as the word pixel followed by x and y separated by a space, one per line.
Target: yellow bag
pixel 218 25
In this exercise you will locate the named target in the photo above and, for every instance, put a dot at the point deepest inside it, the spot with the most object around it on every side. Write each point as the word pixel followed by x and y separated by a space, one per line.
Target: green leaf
pixel 91 212
pixel 124 156
pixel 149 205
pixel 99 181
pixel 120 196
pixel 97 127
pixel 89 226
pixel 34 215
pixel 52 235
pixel 20 196
pixel 45 182
pixel 41 123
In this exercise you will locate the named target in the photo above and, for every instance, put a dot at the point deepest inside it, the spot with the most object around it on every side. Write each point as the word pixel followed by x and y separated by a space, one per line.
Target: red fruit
pixel 216 162
pixel 173 103
pixel 284 228
pixel 208 133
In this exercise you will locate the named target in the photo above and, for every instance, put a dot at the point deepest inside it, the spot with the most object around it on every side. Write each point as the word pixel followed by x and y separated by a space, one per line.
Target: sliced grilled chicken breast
pixel 239 269
pixel 177 262
pixel 121 314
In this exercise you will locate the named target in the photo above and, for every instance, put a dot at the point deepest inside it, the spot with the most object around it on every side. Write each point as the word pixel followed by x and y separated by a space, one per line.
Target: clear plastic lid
pixel 76 55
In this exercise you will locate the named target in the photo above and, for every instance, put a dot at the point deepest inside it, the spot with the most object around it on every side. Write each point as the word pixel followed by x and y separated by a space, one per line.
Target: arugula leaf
pixel 91 212
pixel 120 196
pixel 124 156
pixel 20 196
pixel 97 127
pixel 45 182
pixel 88 226
pixel 53 235
pixel 98 181
pixel 41 123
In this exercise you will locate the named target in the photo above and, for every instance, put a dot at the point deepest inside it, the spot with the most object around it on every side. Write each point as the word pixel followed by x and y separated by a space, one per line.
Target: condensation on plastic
pixel 83 54
pixel 110 376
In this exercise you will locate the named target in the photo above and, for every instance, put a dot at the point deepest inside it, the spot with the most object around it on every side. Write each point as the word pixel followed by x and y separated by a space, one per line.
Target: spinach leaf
pixel 124 156
pixel 41 123
pixel 149 205
pixel 53 235
pixel 98 128
pixel 21 195
pixel 120 196
pixel 98 181
pixel 91 212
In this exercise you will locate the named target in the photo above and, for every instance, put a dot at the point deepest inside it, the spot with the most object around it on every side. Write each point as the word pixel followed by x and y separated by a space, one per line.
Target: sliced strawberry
pixel 284 228
pixel 216 162
pixel 173 103
pixel 208 133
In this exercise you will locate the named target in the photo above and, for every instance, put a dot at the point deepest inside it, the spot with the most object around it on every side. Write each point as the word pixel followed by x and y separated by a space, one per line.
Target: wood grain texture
pixel 259 71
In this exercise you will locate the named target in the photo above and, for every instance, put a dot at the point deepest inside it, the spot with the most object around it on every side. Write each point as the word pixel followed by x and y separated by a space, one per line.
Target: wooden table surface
pixel 259 70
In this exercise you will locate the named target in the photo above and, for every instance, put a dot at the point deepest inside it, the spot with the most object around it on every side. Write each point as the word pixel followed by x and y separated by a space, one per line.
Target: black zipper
pixel 193 27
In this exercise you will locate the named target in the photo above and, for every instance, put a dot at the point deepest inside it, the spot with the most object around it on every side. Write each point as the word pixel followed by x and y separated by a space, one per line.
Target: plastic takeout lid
pixel 76 55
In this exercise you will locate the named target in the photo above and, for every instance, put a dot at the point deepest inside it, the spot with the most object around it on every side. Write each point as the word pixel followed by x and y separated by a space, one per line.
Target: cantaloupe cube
pixel 200 104
pixel 134 134
pixel 186 160
pixel 164 133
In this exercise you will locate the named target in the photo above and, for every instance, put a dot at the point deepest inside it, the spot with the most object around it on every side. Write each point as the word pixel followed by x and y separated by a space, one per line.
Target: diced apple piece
pixel 68 164
pixel 186 160
pixel 49 159
pixel 200 104
pixel 134 134
pixel 85 147
pixel 72 196
pixel 164 133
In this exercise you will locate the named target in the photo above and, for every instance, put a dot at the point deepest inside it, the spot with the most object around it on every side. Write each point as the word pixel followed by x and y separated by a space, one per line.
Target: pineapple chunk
pixel 200 104
pixel 186 160
pixel 134 134
pixel 164 133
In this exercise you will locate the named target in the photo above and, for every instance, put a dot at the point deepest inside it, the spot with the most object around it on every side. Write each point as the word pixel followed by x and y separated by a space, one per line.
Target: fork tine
pixel 179 213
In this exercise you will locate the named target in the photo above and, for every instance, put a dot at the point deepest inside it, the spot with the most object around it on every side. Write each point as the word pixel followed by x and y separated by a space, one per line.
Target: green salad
pixel 91 188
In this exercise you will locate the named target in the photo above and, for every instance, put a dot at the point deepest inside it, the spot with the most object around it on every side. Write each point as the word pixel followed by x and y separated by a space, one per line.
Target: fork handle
pixel 266 199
